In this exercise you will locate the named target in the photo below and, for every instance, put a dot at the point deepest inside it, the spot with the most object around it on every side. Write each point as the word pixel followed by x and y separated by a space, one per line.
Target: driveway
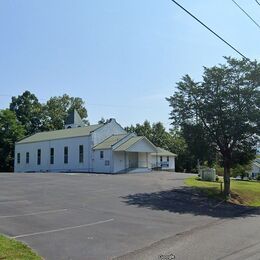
pixel 97 216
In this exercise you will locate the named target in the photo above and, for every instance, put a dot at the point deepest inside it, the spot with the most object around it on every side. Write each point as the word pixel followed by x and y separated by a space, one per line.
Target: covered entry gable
pixel 137 144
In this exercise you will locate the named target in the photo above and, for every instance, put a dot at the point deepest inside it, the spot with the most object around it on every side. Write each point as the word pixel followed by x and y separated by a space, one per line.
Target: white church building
pixel 103 148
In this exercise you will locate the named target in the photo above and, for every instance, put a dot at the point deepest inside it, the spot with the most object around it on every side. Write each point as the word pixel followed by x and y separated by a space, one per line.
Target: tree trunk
pixel 226 178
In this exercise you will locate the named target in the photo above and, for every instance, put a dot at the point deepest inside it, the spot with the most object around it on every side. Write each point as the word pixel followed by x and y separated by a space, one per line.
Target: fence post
pixel 221 187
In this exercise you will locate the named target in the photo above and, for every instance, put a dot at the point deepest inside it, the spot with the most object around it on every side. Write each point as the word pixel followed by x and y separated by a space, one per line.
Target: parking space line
pixel 63 229
pixel 34 213
pixel 15 201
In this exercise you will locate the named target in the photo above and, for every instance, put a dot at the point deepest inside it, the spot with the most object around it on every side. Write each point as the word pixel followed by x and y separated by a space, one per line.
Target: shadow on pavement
pixel 187 200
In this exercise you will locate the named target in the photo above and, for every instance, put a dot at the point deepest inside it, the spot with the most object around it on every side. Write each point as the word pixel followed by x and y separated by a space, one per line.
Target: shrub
pixel 241 170
pixel 258 177
pixel 217 178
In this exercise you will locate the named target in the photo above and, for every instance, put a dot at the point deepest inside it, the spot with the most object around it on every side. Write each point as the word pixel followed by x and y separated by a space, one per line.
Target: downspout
pixel 156 159
pixel 147 161
pixel 125 160
pixel 48 157
pixel 111 161
pixel 15 158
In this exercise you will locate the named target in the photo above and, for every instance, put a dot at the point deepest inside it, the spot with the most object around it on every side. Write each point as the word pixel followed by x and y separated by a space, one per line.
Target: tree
pixel 156 133
pixel 160 137
pixel 198 142
pixel 11 131
pixel 144 130
pixel 36 117
pixel 241 170
pixel 103 120
pixel 29 112
pixel 58 108
pixel 226 103
pixel 179 146
pixel 130 129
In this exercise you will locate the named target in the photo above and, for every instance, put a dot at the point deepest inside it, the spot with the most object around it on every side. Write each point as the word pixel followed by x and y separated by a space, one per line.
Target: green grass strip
pixel 11 249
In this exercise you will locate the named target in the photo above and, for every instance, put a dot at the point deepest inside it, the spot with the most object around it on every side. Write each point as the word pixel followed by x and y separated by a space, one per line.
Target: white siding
pixel 172 163
pixel 142 146
pixel 99 164
pixel 119 161
pixel 256 169
pixel 156 161
pixel 143 160
pixel 111 128
pixel 58 145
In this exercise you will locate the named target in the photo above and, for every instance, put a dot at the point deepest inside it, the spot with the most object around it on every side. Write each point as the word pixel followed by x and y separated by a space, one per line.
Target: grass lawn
pixel 11 249
pixel 242 192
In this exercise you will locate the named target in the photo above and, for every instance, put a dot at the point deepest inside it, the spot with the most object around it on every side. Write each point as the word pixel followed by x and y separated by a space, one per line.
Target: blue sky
pixel 122 57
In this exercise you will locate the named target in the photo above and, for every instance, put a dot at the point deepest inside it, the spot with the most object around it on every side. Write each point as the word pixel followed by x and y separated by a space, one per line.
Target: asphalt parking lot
pixel 97 216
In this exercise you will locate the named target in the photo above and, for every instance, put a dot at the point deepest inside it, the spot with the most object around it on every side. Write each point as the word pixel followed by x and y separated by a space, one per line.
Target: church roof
pixel 109 142
pixel 60 134
pixel 162 152
pixel 126 145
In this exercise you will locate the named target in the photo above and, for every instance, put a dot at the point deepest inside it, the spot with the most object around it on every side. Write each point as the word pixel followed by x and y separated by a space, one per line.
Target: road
pixel 98 216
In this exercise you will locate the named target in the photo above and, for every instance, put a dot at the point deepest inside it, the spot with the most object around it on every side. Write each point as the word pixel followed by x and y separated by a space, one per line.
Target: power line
pixel 257 2
pixel 249 16
pixel 203 24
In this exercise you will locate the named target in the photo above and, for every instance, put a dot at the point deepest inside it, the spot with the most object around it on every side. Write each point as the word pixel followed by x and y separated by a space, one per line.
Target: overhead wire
pixel 247 14
pixel 209 29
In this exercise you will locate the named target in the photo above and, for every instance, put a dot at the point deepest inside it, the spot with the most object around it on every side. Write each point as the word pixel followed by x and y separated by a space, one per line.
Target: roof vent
pixel 111 120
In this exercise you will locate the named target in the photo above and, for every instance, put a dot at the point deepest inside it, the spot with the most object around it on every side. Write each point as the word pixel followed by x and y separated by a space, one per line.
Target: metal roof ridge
pixel 108 138
pixel 59 130
pixel 140 138
pixel 122 139
pixel 103 141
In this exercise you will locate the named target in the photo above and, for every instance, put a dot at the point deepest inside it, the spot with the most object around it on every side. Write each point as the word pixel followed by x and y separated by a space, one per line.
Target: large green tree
pixel 57 109
pixel 198 144
pixel 160 137
pixel 227 103
pixel 155 132
pixel 29 112
pixel 178 145
pixel 144 129
pixel 11 130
